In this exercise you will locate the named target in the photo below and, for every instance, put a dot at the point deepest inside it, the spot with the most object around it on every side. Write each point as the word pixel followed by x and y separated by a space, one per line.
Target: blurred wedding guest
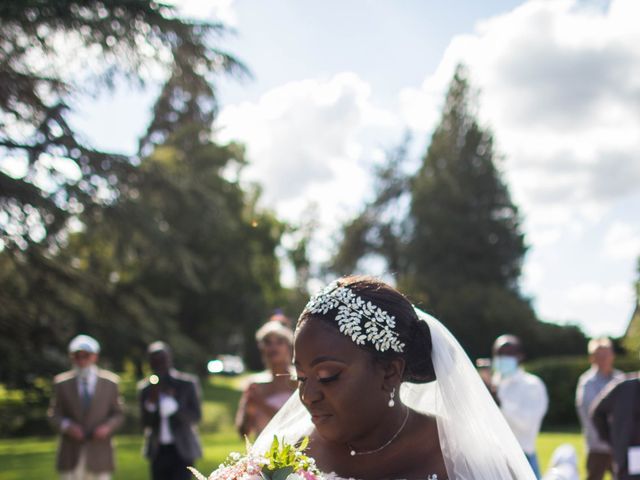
pixel 485 370
pixel 522 396
pixel 170 412
pixel 590 384
pixel 264 396
pixel 279 316
pixel 483 366
pixel 616 415
pixel 86 409
pixel 563 465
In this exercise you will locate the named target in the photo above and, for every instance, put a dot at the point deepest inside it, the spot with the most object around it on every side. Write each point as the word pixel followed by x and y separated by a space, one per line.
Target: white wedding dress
pixel 333 476
pixel 476 442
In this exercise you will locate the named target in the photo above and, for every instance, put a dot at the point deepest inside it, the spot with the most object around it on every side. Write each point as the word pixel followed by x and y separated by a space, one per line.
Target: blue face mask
pixel 505 365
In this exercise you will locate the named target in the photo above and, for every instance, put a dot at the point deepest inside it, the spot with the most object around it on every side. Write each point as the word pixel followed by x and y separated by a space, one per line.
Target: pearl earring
pixel 392 402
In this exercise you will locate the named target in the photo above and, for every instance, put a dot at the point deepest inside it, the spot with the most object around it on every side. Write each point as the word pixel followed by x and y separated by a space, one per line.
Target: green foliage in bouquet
pixel 285 459
pixel 282 461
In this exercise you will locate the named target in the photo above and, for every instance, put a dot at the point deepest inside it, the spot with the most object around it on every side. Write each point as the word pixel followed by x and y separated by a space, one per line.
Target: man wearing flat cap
pixel 86 409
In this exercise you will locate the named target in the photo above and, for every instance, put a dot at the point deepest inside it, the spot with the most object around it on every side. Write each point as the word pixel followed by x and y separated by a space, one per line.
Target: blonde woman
pixel 266 393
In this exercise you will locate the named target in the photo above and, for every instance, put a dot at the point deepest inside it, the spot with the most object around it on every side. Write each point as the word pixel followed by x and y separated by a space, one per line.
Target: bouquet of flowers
pixel 282 462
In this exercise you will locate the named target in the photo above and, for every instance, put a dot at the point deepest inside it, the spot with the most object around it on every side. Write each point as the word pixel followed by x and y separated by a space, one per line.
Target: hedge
pixel 560 375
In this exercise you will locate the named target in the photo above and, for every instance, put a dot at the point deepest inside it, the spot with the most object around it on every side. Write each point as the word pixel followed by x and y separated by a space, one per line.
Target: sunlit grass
pixel 34 457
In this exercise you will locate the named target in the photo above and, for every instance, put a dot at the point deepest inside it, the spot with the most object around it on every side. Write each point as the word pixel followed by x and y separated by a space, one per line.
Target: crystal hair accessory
pixel 357 318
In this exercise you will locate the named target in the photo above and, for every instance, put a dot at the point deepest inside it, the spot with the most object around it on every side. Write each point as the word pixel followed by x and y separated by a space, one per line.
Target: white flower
pixel 294 476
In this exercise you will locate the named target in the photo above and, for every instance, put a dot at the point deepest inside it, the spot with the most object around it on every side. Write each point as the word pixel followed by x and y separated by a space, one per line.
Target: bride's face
pixel 340 384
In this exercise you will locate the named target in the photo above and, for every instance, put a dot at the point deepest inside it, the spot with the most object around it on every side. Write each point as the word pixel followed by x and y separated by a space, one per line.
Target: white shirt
pixel 590 384
pixel 90 376
pixel 523 401
pixel 168 406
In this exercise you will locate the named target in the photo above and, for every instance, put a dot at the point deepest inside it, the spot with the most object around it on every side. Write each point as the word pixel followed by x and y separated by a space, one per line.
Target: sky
pixel 337 84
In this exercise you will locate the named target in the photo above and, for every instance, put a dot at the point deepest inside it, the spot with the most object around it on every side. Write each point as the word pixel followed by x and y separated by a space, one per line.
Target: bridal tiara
pixel 357 318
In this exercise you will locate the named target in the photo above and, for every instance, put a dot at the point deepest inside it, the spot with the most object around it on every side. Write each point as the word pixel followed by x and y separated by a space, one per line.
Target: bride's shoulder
pixel 422 446
pixel 425 428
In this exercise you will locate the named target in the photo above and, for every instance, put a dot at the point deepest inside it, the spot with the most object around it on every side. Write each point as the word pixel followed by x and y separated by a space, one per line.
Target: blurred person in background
pixel 279 316
pixel 483 366
pixel 170 412
pixel 563 465
pixel 522 396
pixel 86 409
pixel 590 384
pixel 616 416
pixel 266 394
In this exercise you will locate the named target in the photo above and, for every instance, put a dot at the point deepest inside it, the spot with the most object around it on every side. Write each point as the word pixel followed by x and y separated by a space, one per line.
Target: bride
pixel 386 392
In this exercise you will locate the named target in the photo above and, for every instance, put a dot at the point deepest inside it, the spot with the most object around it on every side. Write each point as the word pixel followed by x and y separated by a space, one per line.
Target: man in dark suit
pixel 86 409
pixel 616 416
pixel 170 411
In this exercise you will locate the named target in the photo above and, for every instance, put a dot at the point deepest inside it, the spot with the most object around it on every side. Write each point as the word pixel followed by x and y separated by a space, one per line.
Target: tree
pixel 467 246
pixel 381 229
pixel 57 276
pixel 452 236
pixel 466 228
pixel 187 254
pixel 631 339
pixel 113 40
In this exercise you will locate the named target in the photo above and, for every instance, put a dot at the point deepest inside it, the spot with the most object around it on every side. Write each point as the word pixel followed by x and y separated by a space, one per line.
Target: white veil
pixel 476 442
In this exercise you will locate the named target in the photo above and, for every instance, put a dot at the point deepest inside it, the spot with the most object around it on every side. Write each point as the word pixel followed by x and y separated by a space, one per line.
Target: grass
pixel 34 457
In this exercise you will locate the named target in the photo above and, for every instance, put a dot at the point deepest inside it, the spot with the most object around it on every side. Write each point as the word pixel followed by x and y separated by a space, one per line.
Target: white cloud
pixel 217 10
pixel 594 293
pixel 622 242
pixel 305 142
pixel 560 87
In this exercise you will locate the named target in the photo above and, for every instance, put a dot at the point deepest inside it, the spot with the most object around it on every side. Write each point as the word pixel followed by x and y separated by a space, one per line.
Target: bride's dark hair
pixel 413 332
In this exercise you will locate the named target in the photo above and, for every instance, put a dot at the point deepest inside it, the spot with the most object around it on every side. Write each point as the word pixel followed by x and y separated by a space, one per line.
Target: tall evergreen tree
pixel 466 228
pixel 466 245
pixel 457 249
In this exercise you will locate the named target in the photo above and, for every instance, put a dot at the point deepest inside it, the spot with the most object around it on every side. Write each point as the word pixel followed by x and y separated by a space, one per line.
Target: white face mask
pixel 505 364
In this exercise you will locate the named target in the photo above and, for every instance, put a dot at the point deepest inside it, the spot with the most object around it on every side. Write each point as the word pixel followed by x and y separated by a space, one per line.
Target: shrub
pixel 560 375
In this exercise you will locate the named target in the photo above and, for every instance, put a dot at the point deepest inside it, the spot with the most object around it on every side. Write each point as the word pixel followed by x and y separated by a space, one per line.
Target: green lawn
pixel 33 457
pixel 548 441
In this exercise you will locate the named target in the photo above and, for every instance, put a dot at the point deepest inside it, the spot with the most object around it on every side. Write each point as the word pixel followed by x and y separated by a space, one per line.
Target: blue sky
pixel 336 83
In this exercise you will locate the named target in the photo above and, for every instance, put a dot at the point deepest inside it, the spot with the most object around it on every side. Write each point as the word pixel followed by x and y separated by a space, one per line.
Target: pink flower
pixel 307 475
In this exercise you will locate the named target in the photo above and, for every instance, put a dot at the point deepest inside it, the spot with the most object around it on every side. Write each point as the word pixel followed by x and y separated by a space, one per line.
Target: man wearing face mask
pixel 522 396
pixel 86 409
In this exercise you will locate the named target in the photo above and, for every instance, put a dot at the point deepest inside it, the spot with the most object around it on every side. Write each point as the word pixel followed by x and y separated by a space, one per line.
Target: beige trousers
pixel 81 472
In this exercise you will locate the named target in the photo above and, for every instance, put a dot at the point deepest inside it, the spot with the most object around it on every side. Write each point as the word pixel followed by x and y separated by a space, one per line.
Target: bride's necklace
pixel 353 452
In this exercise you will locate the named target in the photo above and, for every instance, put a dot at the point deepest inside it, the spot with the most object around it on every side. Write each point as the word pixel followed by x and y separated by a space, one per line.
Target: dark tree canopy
pixel 164 244
pixel 106 41
pixel 466 228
